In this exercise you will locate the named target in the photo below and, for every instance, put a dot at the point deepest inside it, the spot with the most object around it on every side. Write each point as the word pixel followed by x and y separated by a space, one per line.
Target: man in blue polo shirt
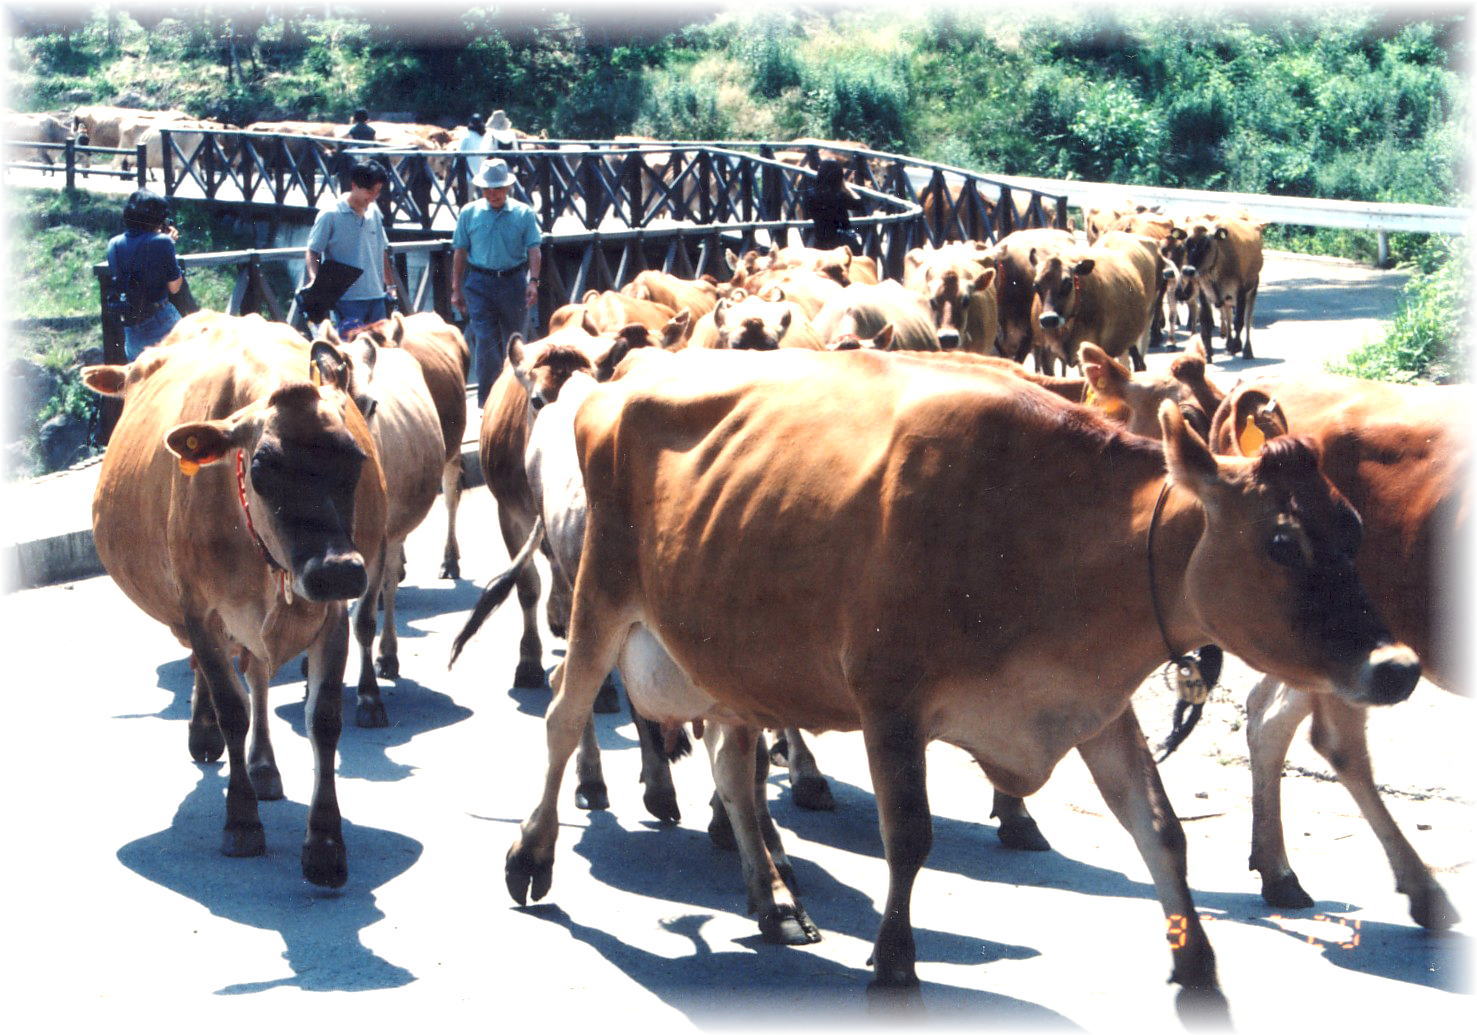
pixel 353 232
pixel 494 269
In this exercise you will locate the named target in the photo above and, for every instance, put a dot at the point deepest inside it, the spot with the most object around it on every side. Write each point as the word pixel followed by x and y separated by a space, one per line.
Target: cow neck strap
pixel 284 577
pixel 1153 582
pixel 1196 672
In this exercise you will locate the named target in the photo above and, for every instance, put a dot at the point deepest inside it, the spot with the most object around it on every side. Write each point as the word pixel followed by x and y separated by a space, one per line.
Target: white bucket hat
pixel 494 173
pixel 499 121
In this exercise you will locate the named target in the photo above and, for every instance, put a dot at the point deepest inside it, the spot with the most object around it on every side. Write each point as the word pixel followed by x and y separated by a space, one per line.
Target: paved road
pixel 121 907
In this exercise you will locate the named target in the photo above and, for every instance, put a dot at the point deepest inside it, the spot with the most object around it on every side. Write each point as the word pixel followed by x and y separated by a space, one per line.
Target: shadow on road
pixel 1309 298
pixel 320 930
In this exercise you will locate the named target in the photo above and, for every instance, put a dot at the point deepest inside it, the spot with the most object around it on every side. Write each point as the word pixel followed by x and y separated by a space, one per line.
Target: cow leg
pixel 1156 322
pixel 1136 356
pixel 1017 830
pixel 243 835
pixel 1274 713
pixel 1338 735
pixel 1229 329
pixel 261 761
pixel 530 671
pixel 895 748
pixel 324 859
pixel 1245 305
pixel 451 492
pixel 590 793
pixel 207 744
pixel 387 660
pixel 1124 772
pixel 660 797
pixel 369 712
pixel 807 783
pixel 592 653
pixel 733 751
pixel 1201 314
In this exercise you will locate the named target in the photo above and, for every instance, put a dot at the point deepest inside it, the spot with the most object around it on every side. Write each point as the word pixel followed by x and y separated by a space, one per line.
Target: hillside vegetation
pixel 1338 103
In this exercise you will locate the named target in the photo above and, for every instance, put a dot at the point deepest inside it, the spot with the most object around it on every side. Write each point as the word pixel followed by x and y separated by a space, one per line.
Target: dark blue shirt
pixel 149 256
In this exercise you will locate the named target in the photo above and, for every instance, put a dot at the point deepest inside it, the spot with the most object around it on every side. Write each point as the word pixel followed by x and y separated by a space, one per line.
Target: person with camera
pixel 828 203
pixel 145 272
pixel 353 233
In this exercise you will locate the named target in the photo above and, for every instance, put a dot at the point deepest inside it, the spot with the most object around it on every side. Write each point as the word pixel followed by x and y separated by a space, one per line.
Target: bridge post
pixel 71 156
pixel 440 262
pixel 141 153
pixel 165 138
pixel 109 408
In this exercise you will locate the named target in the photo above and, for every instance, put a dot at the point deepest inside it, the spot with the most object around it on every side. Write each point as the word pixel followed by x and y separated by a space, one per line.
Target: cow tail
pixel 497 591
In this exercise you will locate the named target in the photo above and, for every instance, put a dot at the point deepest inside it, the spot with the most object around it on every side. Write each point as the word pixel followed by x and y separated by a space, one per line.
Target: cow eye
pixel 1284 550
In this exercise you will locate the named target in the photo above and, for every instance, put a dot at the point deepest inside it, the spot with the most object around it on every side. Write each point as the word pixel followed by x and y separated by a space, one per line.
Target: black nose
pixel 949 339
pixel 1050 320
pixel 1392 679
pixel 335 577
pixel 536 401
pixel 1187 271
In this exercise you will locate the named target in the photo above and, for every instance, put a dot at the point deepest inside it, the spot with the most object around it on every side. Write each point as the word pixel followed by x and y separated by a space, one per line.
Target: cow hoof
pixel 266 781
pixel 787 924
pixel 607 701
pixel 207 743
pixel 1233 346
pixel 244 840
pixel 895 993
pixel 779 753
pixel 1433 910
pixel 451 570
pixel 387 667
pixel 325 863
pixel 661 802
pixel 1022 835
pixel 591 797
pixel 371 715
pixel 1203 1008
pixel 559 628
pixel 720 832
pixel 1285 892
pixel 524 874
pixel 813 793
pixel 530 676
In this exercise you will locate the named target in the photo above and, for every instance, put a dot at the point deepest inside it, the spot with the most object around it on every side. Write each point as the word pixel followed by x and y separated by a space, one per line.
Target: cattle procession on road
pixel 812 499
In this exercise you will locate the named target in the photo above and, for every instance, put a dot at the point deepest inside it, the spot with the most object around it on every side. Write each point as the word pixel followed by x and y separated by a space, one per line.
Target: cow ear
pixel 785 321
pixel 1221 233
pixel 1187 458
pixel 721 309
pixel 1255 418
pixel 913 259
pixel 1084 267
pixel 677 328
pixel 883 337
pixel 397 325
pixel 773 293
pixel 1106 375
pixel 637 290
pixel 199 443
pixel 1031 259
pixel 326 332
pixel 329 366
pixel 517 351
pixel 590 296
pixel 709 278
pixel 108 380
pixel 1178 233
pixel 985 279
pixel 845 344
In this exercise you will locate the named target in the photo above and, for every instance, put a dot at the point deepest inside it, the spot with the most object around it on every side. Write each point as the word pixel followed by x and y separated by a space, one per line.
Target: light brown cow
pixel 751 322
pixel 696 296
pixel 1402 456
pixel 186 137
pixel 957 281
pixel 445 361
pixel 388 387
pixel 236 504
pixel 865 311
pixel 103 123
pixel 1223 266
pixel 849 528
pixel 37 128
pixel 1103 294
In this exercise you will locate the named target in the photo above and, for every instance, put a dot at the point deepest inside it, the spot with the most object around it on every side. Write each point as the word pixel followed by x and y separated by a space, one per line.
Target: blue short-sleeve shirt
pixel 341 234
pixel 150 256
pixel 496 238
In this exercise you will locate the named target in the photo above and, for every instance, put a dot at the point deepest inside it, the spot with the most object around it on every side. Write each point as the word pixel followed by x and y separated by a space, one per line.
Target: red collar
pixel 284 577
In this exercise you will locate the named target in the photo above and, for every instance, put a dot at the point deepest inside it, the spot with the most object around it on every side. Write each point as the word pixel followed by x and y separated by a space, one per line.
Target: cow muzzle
pixel 334 577
pixel 1050 321
pixel 1388 676
pixel 948 339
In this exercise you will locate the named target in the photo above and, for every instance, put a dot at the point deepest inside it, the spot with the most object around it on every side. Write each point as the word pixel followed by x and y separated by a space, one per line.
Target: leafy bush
pixel 1428 339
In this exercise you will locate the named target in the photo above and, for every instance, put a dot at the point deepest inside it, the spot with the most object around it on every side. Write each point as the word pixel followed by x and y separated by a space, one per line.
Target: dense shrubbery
pixel 1429 338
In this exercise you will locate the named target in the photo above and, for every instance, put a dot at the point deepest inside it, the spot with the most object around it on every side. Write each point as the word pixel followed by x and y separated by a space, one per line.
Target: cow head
pixel 350 365
pixel 302 453
pixel 848 340
pixel 958 302
pixel 1134 400
pixel 1271 577
pixel 1057 291
pixel 542 367
pixel 751 323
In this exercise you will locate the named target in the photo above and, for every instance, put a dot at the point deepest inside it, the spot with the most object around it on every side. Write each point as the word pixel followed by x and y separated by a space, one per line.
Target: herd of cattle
pixel 807 498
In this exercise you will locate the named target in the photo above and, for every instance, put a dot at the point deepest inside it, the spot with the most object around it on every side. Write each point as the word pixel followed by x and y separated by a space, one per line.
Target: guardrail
pixel 72 165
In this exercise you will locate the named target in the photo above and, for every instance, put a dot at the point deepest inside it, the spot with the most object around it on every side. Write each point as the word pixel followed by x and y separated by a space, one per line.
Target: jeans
pixel 149 332
pixel 359 312
pixel 497 308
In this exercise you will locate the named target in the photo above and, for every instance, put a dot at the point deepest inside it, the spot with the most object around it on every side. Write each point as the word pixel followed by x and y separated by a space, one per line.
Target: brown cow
pixel 1103 294
pixel 849 529
pixel 104 123
pixel 1223 268
pixel 253 558
pixel 1015 258
pixel 865 311
pixel 751 322
pixel 1402 456
pixel 38 128
pixel 388 387
pixel 445 361
pixel 957 282
pixel 696 296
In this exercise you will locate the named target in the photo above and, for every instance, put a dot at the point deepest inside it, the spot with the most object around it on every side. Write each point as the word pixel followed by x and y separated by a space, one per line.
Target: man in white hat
pixel 500 133
pixel 494 269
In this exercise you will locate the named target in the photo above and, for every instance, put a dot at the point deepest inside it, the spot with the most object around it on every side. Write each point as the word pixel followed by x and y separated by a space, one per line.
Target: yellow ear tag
pixel 1251 440
pixel 315 375
pixel 188 467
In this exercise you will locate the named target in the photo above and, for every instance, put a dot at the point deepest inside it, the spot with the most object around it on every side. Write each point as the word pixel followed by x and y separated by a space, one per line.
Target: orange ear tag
pixel 188 467
pixel 1251 440
pixel 315 375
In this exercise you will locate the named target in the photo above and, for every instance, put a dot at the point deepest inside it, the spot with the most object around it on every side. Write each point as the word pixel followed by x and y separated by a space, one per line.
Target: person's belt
pixel 509 272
